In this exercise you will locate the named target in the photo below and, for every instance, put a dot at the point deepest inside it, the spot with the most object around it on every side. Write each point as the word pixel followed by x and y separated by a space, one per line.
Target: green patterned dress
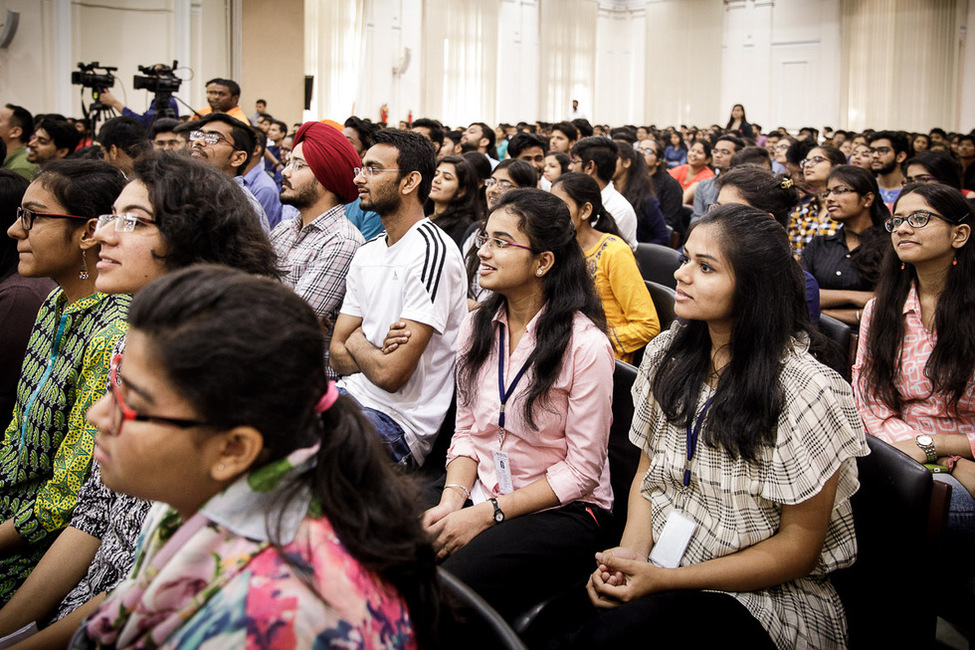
pixel 46 451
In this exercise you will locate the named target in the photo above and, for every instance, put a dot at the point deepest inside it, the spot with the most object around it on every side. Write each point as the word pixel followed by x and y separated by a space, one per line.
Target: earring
pixel 220 467
pixel 954 262
pixel 902 266
pixel 83 273
pixel 538 273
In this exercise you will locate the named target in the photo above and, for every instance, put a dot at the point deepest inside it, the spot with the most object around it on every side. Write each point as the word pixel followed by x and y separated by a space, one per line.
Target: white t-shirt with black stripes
pixel 420 278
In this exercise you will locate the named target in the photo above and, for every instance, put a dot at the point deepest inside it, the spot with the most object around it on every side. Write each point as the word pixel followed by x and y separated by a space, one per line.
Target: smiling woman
pixel 45 454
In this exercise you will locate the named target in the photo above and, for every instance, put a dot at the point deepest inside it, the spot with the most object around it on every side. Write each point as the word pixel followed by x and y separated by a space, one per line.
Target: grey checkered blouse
pixel 737 504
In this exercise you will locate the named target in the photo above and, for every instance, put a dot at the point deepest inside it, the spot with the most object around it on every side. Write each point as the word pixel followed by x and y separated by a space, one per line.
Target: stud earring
pixel 83 273
pixel 538 273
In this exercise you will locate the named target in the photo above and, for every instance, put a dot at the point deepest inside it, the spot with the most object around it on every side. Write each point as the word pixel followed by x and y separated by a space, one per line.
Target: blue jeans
pixel 390 433
pixel 960 535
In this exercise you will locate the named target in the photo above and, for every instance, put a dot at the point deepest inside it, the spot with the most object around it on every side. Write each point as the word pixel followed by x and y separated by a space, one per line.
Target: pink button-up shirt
pixel 929 414
pixel 569 447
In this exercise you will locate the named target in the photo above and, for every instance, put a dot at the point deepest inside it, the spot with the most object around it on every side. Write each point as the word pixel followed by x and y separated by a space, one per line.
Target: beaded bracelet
pixel 467 493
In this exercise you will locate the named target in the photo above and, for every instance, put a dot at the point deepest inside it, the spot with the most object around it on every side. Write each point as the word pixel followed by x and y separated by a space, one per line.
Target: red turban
pixel 331 158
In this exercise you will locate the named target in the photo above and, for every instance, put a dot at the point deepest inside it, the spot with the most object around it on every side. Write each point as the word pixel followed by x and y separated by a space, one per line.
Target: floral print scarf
pixel 180 566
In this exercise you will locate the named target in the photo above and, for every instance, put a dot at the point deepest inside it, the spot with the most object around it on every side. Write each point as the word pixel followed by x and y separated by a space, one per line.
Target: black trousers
pixel 669 619
pixel 518 563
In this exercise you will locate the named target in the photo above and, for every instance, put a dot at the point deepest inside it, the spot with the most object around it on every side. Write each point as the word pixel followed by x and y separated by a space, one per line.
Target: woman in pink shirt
pixel 535 381
pixel 913 374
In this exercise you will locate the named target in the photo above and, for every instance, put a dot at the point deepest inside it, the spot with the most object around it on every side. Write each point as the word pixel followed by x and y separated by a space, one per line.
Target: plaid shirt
pixel 316 260
pixel 808 220
pixel 737 504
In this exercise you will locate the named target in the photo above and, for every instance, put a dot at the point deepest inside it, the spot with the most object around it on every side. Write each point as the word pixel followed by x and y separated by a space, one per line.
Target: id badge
pixel 669 549
pixel 504 472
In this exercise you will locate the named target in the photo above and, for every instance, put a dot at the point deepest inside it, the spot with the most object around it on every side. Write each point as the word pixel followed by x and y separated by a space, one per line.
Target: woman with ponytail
pixel 278 521
pixel 914 371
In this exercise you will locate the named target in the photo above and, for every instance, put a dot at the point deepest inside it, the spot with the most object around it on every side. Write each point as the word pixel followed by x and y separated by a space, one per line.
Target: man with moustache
pixel 315 248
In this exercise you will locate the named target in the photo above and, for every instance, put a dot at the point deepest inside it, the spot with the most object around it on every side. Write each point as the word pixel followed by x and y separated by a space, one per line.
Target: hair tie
pixel 331 394
pixel 785 183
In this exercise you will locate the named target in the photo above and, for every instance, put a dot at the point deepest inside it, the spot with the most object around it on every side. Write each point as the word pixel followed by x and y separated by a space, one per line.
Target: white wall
pixel 966 75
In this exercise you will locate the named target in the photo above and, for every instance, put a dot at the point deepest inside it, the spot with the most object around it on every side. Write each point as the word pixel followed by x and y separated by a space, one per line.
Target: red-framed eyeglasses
pixel 123 412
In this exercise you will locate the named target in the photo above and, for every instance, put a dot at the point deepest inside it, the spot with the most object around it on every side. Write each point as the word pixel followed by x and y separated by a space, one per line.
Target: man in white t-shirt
pixel 414 276
pixel 596 156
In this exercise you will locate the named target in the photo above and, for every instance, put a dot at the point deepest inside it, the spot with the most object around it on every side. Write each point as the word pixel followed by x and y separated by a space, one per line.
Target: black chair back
pixel 470 622
pixel 657 263
pixel 663 302
pixel 842 335
pixel 624 456
pixel 896 545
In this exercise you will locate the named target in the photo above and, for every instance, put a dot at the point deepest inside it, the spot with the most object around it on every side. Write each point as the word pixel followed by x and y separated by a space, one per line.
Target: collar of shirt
pixel 838 236
pixel 911 303
pixel 325 222
pixel 529 338
pixel 250 177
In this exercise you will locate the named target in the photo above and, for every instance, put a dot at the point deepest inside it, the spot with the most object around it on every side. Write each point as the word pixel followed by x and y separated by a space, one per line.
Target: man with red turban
pixel 315 248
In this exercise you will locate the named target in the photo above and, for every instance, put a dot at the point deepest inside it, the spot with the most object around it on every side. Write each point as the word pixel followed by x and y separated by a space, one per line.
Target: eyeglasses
pixel 815 160
pixel 122 412
pixel 502 185
pixel 124 222
pixel 494 243
pixel 366 172
pixel 837 192
pixel 782 147
pixel 27 217
pixel 917 219
pixel 210 138
pixel 646 151
pixel 880 151
pixel 296 164
pixel 923 178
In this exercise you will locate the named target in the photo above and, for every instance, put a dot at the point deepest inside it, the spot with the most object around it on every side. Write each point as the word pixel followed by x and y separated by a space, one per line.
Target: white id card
pixel 504 472
pixel 669 549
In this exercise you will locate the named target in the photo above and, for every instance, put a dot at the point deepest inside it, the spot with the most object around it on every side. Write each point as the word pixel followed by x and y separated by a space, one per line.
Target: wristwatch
pixel 498 513
pixel 926 443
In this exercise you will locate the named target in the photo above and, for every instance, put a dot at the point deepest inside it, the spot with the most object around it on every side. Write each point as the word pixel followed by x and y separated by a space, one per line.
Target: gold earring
pixel 83 273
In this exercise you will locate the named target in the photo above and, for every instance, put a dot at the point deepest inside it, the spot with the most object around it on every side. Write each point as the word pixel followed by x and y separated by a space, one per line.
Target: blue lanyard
pixel 502 393
pixel 692 433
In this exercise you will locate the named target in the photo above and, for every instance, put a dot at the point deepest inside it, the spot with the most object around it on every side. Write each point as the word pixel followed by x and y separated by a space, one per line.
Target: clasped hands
pixel 452 527
pixel 623 575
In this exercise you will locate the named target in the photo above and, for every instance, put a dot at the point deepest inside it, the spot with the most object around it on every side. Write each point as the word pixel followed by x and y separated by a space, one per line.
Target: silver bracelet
pixel 467 493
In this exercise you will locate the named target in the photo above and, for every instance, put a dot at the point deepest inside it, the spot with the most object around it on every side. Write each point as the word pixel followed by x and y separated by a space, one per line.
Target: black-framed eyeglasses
pixel 494 243
pixel 880 151
pixel 918 219
pixel 28 216
pixel 123 412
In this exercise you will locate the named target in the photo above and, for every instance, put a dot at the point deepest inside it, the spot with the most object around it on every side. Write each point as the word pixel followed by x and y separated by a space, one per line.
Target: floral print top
pixel 217 581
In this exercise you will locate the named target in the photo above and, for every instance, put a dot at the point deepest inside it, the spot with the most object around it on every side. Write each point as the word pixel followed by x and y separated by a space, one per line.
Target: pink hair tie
pixel 331 394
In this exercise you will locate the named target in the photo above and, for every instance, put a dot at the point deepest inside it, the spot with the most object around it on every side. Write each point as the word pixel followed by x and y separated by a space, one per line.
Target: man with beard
pixel 889 150
pixel 412 283
pixel 480 137
pixel 316 248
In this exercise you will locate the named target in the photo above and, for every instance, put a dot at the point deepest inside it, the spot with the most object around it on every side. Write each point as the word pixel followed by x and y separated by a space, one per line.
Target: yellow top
pixel 630 314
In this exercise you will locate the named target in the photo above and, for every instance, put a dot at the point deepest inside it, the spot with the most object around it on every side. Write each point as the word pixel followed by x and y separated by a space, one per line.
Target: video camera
pixel 159 79
pixel 88 78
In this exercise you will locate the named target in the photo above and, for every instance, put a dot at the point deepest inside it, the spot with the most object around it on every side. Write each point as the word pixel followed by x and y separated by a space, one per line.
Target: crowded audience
pixel 298 325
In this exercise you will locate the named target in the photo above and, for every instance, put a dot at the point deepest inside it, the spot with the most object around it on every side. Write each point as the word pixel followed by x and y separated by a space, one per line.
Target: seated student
pixel 453 204
pixel 415 276
pixel 846 265
pixel 537 475
pixel 749 445
pixel 556 164
pixel 697 168
pixel 153 228
pixel 914 370
pixel 277 520
pixel 596 156
pixel 44 456
pixel 676 152
pixel 935 167
pixel 633 182
pixel 631 318
pixel 810 218
pixel 776 195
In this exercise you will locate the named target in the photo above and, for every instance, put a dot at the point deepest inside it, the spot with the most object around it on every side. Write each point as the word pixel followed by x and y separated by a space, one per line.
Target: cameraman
pixel 146 118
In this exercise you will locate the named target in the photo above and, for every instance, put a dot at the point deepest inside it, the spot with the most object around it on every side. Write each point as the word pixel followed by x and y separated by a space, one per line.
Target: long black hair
pixel 203 216
pixel 769 306
pixel 246 350
pixel 762 189
pixel 874 241
pixel 567 287
pixel 953 359
pixel 465 207
pixel 583 188
pixel 12 188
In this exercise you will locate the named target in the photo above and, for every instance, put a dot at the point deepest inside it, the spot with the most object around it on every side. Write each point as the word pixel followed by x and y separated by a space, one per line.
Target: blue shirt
pixel 368 223
pixel 147 118
pixel 266 192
